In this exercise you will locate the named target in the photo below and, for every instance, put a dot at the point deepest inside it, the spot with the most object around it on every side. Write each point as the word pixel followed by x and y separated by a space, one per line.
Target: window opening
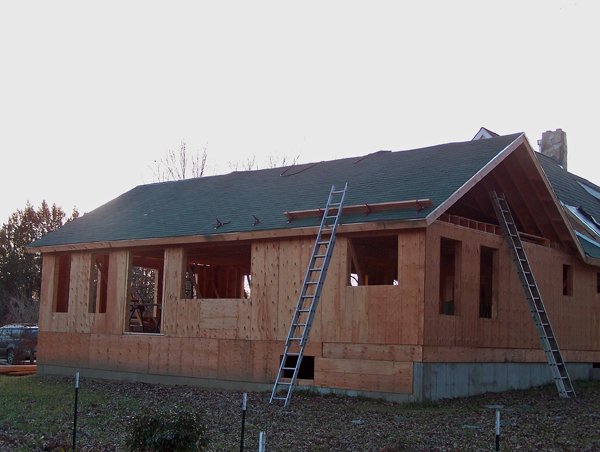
pixel 145 292
pixel 63 282
pixel 218 272
pixel 597 282
pixel 567 280
pixel 487 284
pixel 373 261
pixel 449 256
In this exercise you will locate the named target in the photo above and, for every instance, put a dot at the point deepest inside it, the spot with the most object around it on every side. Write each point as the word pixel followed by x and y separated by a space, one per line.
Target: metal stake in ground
pixel 244 402
pixel 261 442
pixel 75 411
pixel 498 429
pixel 497 408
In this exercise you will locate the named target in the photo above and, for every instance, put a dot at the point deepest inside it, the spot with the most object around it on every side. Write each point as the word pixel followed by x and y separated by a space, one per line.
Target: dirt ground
pixel 37 415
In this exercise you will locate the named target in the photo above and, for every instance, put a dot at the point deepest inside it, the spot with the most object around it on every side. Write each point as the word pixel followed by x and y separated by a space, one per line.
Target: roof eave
pixel 231 236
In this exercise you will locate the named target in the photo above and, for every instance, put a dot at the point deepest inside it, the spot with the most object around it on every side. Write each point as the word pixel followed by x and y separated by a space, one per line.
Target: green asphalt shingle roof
pixel 191 207
pixel 590 247
pixel 568 189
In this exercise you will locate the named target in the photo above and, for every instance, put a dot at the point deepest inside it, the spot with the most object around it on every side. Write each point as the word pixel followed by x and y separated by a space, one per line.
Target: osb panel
pixel 337 303
pixel 158 358
pixel 377 314
pixel 79 293
pixel 47 291
pixel 118 272
pixel 381 352
pixel 266 359
pixel 223 318
pixel 132 352
pixel 235 359
pixel 265 290
pixel 199 357
pixel 64 349
pixel 478 355
pixel 101 354
pixel 365 375
pixel 411 270
pixel 575 318
pixel 173 277
pixel 294 256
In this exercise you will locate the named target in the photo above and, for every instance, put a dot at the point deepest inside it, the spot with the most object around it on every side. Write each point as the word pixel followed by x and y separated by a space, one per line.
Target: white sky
pixel 92 93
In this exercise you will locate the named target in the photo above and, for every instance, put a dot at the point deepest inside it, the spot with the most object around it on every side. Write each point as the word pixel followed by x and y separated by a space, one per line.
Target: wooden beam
pixel 518 205
pixel 530 186
pixel 357 266
pixel 417 204
pixel 309 231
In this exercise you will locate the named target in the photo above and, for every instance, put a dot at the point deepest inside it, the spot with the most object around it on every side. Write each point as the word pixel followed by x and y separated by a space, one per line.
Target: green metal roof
pixel 191 207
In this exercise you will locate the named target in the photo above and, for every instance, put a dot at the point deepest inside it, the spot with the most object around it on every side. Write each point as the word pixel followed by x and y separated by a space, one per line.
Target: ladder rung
pixel 299 324
pixel 288 368
pixel 315 269
pixel 279 398
pixel 319 255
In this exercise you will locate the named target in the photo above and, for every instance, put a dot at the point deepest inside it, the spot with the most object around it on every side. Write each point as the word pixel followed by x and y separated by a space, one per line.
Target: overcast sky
pixel 91 94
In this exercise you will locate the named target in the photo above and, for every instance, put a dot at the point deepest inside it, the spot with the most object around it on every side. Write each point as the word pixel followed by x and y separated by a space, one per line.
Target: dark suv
pixel 18 342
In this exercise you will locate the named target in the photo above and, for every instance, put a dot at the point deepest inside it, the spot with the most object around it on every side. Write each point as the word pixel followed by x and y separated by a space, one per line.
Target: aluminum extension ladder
pixel 534 298
pixel 309 298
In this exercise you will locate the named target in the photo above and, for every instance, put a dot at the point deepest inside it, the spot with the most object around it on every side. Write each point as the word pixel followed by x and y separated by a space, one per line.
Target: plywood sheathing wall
pixel 510 334
pixel 363 338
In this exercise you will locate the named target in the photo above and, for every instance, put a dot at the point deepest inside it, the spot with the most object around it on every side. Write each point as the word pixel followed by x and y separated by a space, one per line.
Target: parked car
pixel 18 342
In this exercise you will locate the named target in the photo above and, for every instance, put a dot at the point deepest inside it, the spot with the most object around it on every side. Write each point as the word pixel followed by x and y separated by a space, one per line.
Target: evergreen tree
pixel 20 271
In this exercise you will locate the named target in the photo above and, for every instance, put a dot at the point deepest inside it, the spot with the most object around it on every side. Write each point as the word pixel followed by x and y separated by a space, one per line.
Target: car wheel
pixel 10 357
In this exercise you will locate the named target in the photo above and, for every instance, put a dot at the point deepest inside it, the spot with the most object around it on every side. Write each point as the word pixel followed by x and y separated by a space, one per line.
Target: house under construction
pixel 197 281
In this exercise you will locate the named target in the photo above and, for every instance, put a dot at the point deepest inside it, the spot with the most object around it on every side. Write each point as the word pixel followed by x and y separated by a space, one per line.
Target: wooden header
pixel 417 204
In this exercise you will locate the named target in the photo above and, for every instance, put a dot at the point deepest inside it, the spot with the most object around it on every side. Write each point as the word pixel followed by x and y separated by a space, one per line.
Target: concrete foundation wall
pixel 448 380
pixel 431 381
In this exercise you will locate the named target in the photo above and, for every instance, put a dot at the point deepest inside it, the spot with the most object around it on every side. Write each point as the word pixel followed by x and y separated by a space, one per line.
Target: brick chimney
pixel 554 145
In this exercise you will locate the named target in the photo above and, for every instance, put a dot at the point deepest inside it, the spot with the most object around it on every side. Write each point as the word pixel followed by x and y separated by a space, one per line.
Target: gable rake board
pixel 534 298
pixel 309 298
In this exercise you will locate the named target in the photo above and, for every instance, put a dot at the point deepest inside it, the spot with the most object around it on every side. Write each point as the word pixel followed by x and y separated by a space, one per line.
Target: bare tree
pixel 181 164
pixel 277 161
pixel 249 164
pixel 273 161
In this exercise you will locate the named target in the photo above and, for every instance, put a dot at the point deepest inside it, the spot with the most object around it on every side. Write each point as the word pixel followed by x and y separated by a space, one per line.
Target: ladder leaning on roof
pixel 534 298
pixel 308 298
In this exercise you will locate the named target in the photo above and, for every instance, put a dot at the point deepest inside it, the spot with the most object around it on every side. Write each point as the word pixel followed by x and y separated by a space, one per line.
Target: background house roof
pixel 191 207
